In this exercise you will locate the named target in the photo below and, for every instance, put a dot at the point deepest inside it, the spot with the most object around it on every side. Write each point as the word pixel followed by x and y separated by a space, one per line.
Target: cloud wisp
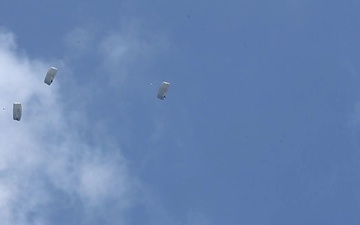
pixel 48 170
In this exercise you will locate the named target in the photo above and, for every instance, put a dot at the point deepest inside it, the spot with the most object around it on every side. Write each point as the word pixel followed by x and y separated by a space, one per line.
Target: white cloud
pixel 44 159
pixel 130 52
pixel 121 53
pixel 119 60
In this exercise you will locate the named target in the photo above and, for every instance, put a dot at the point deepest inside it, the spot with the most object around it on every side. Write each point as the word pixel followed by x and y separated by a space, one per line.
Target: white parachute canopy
pixel 17 111
pixel 50 75
pixel 164 87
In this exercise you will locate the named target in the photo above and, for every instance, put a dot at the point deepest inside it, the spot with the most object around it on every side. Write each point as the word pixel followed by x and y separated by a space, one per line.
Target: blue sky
pixel 261 124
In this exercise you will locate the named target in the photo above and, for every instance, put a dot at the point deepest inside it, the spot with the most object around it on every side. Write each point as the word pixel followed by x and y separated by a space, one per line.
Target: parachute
pixel 164 87
pixel 17 111
pixel 50 75
pixel 49 78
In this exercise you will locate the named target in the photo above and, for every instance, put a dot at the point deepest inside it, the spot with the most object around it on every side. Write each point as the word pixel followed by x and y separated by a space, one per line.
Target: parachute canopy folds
pixel 17 111
pixel 164 87
pixel 50 75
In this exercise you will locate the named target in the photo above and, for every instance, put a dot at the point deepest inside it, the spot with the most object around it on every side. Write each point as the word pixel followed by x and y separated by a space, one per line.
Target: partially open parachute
pixel 50 75
pixel 49 78
pixel 17 111
pixel 17 107
pixel 164 87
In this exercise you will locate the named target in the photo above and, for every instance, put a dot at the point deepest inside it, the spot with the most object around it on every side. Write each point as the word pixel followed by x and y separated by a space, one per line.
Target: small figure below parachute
pixel 163 90
pixel 50 75
pixel 17 111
